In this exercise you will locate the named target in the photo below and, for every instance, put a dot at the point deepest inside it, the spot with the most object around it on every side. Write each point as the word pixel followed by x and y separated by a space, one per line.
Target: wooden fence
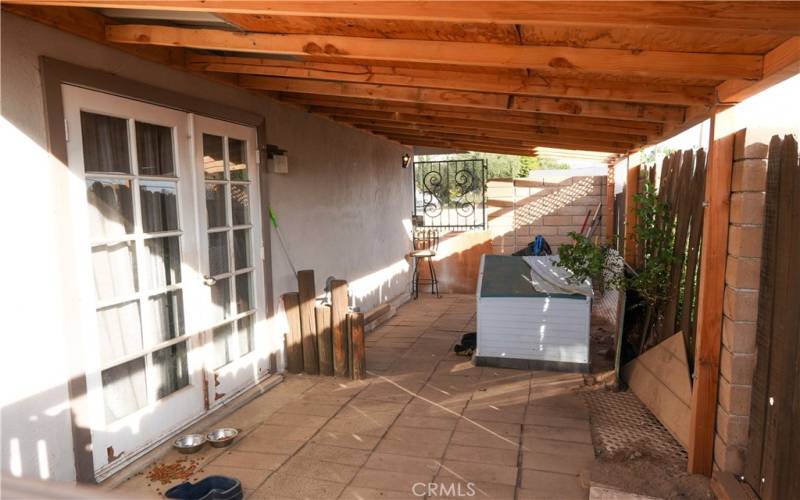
pixel 681 188
pixel 773 454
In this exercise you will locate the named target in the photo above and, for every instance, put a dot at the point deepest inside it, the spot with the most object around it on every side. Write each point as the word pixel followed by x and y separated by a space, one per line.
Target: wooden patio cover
pixel 502 76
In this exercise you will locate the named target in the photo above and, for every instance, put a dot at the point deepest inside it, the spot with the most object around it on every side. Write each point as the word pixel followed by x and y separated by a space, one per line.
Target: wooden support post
pixel 610 206
pixel 358 359
pixel 339 333
pixel 631 188
pixel 294 339
pixel 713 258
pixel 308 321
pixel 324 344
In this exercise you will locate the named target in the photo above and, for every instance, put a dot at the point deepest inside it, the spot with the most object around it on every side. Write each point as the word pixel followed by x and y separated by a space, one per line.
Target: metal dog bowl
pixel 189 443
pixel 219 438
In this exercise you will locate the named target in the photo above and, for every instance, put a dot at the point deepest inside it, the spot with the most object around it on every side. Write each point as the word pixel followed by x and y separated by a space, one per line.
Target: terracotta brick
pixel 737 368
pixel 751 143
pixel 734 398
pixel 739 336
pixel 556 220
pixel 574 210
pixel 747 208
pixel 558 240
pixel 729 458
pixel 745 241
pixel 743 272
pixel 732 428
pixel 523 231
pixel 544 230
pixel 749 175
pixel 565 230
pixel 740 304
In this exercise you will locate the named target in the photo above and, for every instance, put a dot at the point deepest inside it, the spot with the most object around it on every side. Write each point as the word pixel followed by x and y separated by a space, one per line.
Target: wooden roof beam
pixel 728 16
pixel 612 61
pixel 525 143
pixel 516 127
pixel 602 109
pixel 557 135
pixel 512 83
pixel 781 63
pixel 347 106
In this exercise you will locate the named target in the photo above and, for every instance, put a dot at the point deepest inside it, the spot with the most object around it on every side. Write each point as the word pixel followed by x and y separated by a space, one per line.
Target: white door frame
pixel 229 380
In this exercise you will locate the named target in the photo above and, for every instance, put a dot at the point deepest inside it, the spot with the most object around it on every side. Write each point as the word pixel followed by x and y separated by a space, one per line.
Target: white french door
pixel 231 250
pixel 161 344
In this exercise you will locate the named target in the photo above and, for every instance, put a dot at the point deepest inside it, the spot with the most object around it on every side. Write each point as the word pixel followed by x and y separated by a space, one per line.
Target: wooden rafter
pixel 478 125
pixel 346 105
pixel 493 133
pixel 727 16
pixel 499 82
pixel 611 61
pixel 602 109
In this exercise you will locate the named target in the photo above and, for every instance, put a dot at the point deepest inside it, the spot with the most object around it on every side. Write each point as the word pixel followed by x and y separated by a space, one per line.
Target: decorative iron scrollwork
pixel 450 194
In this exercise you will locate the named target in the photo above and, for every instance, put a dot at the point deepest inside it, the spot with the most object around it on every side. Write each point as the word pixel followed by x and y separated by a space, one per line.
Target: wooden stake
pixel 713 258
pixel 339 298
pixel 308 321
pixel 358 351
pixel 324 346
pixel 294 340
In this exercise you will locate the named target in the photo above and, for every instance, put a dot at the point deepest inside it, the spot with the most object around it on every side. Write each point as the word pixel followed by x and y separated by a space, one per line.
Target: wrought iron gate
pixel 450 194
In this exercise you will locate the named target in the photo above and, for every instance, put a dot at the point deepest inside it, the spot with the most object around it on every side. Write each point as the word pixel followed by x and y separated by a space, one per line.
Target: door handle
pixel 209 281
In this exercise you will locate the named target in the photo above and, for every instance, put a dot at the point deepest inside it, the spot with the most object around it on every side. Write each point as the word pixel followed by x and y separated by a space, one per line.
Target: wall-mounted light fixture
pixel 406 160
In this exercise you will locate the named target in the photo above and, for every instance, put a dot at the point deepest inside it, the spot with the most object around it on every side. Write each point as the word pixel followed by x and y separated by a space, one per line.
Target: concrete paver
pixel 425 423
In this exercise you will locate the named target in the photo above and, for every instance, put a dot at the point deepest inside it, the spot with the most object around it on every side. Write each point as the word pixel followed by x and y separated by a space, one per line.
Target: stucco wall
pixel 343 210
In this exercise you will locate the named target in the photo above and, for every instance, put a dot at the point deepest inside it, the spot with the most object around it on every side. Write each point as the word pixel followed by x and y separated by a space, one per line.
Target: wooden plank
pixel 545 105
pixel 498 136
pixel 505 82
pixel 358 353
pixel 611 61
pixel 660 378
pixel 766 296
pixel 600 37
pixel 308 321
pixel 92 26
pixel 481 126
pixel 376 312
pixel 713 258
pixel 324 340
pixel 294 339
pixel 784 343
pixel 682 213
pixel 458 112
pixel 339 302
pixel 775 17
pixel 687 325
pixel 631 189
pixel 779 64
pixel 344 104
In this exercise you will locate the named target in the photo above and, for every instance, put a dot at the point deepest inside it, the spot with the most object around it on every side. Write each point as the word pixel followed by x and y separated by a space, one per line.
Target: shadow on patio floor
pixel 425 423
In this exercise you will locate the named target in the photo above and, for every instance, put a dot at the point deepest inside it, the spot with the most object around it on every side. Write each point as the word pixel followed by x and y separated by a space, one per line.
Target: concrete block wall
pixel 740 309
pixel 519 209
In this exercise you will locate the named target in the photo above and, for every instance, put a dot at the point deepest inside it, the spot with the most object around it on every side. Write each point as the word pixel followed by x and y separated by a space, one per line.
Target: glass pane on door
pixel 105 143
pixel 159 206
pixel 110 207
pixel 154 149
pixel 171 369
pixel 124 389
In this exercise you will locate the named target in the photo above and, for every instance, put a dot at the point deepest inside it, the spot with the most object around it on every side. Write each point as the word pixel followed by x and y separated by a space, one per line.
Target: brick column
pixel 738 357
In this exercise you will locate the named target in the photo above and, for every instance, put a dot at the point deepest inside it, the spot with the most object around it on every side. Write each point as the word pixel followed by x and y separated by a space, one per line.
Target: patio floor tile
pixel 482 455
pixel 424 418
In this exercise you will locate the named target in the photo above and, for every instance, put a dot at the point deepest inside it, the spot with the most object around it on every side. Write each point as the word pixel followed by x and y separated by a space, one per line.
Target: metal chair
pixel 426 242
